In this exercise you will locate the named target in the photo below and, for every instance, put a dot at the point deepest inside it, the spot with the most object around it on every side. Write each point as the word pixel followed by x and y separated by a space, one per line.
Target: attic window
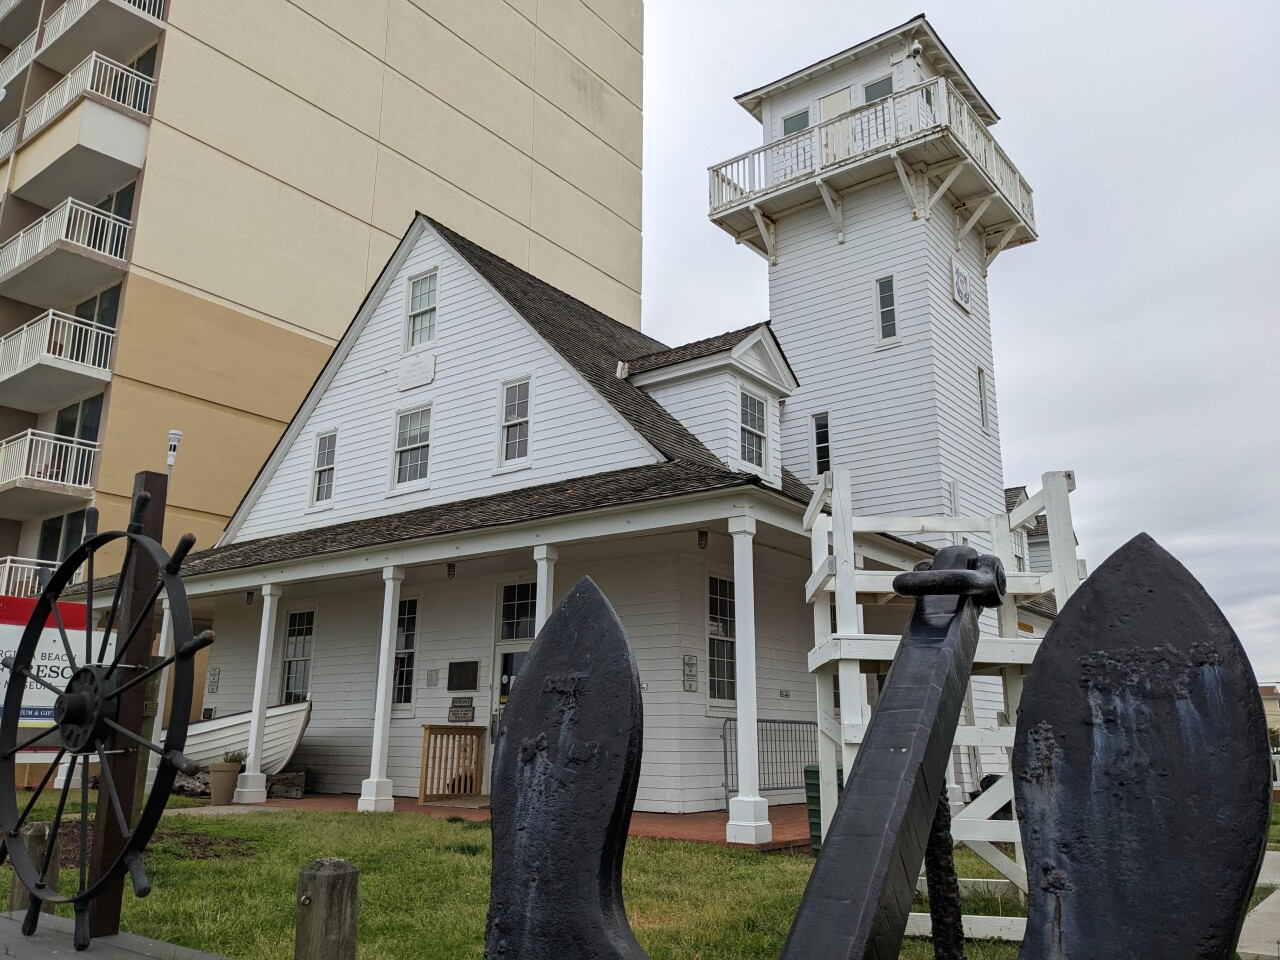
pixel 754 429
pixel 422 310
pixel 515 422
pixel 322 481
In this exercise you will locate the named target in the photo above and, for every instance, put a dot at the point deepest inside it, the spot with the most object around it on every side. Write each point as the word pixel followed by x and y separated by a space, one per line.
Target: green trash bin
pixel 813 798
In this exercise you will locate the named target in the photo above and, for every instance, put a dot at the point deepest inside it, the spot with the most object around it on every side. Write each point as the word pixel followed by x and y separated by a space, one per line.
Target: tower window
pixel 326 453
pixel 885 304
pixel 984 403
pixel 795 123
pixel 821 443
pixel 878 90
pixel 753 429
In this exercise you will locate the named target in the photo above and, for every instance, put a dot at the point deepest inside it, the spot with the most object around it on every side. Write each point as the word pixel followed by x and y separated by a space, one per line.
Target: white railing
pixel 6 7
pixel 94 74
pixel 74 222
pixel 71 11
pixel 8 139
pixel 1275 770
pixel 17 60
pixel 873 128
pixel 34 455
pixel 57 335
pixel 21 578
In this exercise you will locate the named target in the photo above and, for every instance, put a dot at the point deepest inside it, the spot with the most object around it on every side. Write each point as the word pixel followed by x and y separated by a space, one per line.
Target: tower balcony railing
pixel 71 11
pixel 34 456
pixel 877 128
pixel 73 222
pixel 18 59
pixel 58 337
pixel 95 74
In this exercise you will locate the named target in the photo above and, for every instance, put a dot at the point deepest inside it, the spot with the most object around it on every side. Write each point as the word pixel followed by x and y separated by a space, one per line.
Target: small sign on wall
pixel 214 676
pixel 417 370
pixel 462 710
pixel 961 291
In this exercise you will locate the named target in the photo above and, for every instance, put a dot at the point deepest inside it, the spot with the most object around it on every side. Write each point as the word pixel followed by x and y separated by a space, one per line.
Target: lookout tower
pixel 880 198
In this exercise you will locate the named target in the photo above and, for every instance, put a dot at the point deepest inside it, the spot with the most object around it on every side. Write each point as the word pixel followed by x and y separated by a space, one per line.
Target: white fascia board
pixel 780 375
pixel 331 368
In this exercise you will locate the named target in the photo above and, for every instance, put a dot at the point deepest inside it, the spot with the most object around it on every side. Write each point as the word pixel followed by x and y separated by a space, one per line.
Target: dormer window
pixel 754 429
pixel 795 123
pixel 421 326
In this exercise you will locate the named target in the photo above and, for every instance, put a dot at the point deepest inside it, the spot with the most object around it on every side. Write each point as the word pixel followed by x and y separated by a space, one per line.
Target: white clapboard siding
pixel 708 406
pixel 1038 558
pixel 480 343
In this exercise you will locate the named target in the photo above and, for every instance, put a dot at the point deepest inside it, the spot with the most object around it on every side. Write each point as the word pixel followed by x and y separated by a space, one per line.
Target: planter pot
pixel 222 782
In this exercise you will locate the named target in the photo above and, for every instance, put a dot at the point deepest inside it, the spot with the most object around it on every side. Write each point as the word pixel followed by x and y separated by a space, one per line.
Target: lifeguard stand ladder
pixel 838 569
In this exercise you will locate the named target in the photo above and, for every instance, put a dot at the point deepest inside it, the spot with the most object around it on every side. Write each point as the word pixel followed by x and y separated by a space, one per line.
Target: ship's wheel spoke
pixel 143 677
pixel 108 780
pixel 139 740
pixel 88 609
pixel 148 612
pixel 46 732
pixel 121 580
pixel 66 640
pixel 38 791
pixel 57 820
pixel 26 672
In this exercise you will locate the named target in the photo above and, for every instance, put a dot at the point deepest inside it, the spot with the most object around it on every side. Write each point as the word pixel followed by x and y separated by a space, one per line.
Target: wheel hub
pixel 83 710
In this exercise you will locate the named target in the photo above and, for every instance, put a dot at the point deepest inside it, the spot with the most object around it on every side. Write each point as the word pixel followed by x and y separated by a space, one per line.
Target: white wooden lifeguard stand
pixel 839 573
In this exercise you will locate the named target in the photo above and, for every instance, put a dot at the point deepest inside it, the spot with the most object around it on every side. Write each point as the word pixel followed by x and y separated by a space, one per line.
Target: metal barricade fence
pixel 786 748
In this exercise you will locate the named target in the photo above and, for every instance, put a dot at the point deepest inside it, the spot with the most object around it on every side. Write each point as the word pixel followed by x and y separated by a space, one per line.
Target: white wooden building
pixel 480 440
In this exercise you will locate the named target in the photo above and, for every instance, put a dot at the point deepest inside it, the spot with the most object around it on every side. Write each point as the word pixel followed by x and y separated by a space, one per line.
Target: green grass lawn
pixel 227 885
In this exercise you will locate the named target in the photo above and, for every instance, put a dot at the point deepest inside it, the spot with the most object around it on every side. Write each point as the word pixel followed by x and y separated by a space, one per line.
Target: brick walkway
pixel 790 822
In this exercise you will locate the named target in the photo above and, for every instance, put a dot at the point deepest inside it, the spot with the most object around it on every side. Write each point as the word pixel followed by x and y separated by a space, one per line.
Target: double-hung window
pixel 413 444
pixel 322 475
pixel 821 443
pixel 886 309
pixel 422 310
pixel 519 607
pixel 406 645
pixel 754 429
pixel 515 422
pixel 722 656
pixel 299 640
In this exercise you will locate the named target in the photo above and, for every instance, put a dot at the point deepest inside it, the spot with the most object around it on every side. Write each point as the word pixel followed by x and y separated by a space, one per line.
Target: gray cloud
pixel 1137 341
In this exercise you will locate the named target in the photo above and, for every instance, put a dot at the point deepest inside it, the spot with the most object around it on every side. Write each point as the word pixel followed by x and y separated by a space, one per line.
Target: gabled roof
pixel 917 28
pixel 691 351
pixel 1013 497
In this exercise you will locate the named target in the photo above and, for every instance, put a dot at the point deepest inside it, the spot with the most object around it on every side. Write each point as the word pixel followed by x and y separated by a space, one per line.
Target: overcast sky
pixel 1136 342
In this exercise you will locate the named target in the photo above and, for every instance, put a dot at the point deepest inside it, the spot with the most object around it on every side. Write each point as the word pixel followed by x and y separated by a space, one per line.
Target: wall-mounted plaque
pixel 961 291
pixel 464 675
pixel 417 370
pixel 433 678
pixel 462 701
pixel 462 714
pixel 691 686
pixel 690 667
pixel 214 676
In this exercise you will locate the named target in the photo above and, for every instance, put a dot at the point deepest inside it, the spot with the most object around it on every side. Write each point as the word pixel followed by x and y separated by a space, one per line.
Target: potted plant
pixel 222 777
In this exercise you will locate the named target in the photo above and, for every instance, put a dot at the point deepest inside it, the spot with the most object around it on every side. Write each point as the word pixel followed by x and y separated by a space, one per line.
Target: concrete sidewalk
pixel 53 939
pixel 1260 939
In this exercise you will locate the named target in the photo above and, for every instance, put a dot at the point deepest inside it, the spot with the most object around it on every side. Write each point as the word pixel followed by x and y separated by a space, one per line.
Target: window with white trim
pixel 413 444
pixel 322 473
pixel 984 408
pixel 754 429
pixel 515 422
pixel 795 123
pixel 299 640
pixel 722 644
pixel 886 309
pixel 821 443
pixel 406 645
pixel 1020 551
pixel 422 310
pixel 519 608
pixel 878 90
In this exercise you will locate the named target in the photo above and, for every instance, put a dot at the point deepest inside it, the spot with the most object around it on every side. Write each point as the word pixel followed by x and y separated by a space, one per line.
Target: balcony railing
pixel 17 60
pixel 70 221
pixel 874 128
pixel 57 335
pixel 8 139
pixel 21 578
pixel 95 74
pixel 71 11
pixel 48 458
pixel 6 7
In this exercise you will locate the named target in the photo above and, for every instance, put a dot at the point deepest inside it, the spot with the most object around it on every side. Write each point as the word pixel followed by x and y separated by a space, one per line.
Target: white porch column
pixel 375 793
pixel 162 690
pixel 545 556
pixel 748 811
pixel 251 786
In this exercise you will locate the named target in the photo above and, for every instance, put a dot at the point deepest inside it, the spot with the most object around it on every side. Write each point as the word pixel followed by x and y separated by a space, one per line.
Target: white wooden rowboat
pixel 208 740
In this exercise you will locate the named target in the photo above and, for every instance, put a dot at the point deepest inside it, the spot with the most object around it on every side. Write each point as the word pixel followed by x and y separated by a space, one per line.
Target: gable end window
pixel 795 123
pixel 886 309
pixel 406 642
pixel 299 640
pixel 754 430
pixel 413 444
pixel 821 443
pixel 878 90
pixel 422 310
pixel 322 480
pixel 722 656
pixel 515 422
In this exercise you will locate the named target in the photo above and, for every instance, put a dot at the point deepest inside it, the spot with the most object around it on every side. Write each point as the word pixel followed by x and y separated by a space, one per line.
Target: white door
pixel 837 140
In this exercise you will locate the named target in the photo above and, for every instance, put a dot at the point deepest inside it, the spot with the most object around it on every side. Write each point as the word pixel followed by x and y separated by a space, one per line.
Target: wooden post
pixel 108 844
pixel 328 908
pixel 36 837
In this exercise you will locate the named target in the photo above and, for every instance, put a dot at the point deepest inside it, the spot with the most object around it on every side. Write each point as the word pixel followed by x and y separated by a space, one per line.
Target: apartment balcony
pixel 17 19
pixel 85 136
pixel 41 474
pixel 20 577
pixel 118 29
pixel 12 66
pixel 54 360
pixel 70 253
pixel 930 124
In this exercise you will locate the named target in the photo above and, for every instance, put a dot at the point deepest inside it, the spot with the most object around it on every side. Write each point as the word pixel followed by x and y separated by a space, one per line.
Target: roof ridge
pixel 693 343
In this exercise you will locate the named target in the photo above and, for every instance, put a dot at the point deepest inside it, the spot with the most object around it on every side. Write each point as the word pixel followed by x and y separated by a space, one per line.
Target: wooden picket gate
pixel 452 762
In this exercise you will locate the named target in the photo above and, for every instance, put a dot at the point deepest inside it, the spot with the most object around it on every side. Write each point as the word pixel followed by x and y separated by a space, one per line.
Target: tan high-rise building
pixel 199 193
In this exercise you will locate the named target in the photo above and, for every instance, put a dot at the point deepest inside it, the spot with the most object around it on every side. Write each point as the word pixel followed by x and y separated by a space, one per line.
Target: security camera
pixel 916 49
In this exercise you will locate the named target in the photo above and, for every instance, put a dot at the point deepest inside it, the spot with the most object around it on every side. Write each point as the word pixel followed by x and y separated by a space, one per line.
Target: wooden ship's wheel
pixel 101 754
